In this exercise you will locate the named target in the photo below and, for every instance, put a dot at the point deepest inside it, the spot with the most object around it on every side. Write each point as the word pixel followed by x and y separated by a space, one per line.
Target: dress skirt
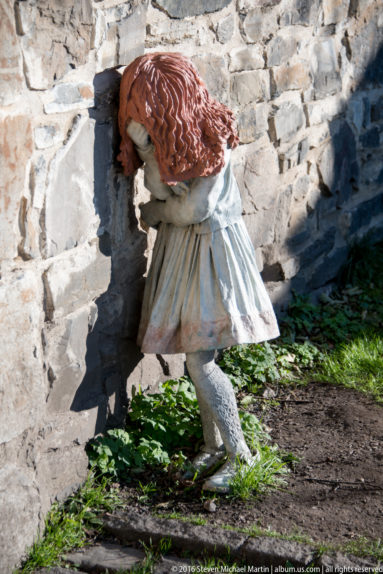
pixel 204 292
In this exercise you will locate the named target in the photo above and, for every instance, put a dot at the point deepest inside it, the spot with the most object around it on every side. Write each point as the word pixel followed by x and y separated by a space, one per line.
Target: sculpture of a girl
pixel 203 291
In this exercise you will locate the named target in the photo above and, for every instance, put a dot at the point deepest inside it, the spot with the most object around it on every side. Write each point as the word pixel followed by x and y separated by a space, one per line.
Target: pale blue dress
pixel 203 289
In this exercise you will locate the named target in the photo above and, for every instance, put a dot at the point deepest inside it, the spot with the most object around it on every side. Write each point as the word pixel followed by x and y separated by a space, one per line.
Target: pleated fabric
pixel 203 292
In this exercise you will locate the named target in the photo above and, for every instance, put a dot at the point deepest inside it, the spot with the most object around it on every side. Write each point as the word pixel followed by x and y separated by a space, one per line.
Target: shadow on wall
pixel 349 202
pixel 112 353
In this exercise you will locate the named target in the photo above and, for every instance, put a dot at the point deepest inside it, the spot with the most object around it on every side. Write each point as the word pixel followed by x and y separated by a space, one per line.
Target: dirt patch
pixel 334 493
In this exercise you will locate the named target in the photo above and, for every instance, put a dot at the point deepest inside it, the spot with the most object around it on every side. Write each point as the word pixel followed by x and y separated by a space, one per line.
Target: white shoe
pixel 221 480
pixel 203 462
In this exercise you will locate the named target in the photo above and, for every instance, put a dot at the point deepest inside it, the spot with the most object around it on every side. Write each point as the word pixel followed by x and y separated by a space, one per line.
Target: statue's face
pixel 138 134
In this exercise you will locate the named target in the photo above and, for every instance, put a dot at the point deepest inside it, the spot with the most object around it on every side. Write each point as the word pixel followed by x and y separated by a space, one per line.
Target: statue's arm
pixel 194 206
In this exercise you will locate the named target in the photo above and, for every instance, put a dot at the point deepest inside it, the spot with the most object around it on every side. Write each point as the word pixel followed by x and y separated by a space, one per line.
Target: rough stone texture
pixel 70 214
pixel 22 391
pixel 11 78
pixel 110 557
pixel 20 505
pixel 305 80
pixel 250 87
pixel 55 37
pixel 15 149
pixel 177 9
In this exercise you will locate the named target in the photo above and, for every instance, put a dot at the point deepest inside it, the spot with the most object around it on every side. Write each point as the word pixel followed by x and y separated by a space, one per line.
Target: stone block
pixel 362 215
pixel 176 9
pixel 65 356
pixel 107 557
pixel 70 96
pixel 225 29
pixel 303 12
pixel 131 34
pixel 286 121
pixel 214 73
pixel 258 24
pixel 11 66
pixel 337 165
pixel 294 77
pixel 324 68
pixel 377 110
pixel 335 11
pixel 74 279
pixel 19 518
pixel 281 49
pixel 248 58
pixel 328 268
pixel 55 38
pixel 23 386
pixel 260 226
pixel 250 87
pixel 46 136
pixel 371 138
pixel 107 52
pixel 261 178
pixel 252 122
pixel 318 248
pixel 70 213
pixel 324 110
pixel 15 150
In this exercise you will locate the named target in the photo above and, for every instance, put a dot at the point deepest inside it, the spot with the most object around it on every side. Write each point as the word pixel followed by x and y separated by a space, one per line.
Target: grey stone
pixel 132 526
pixel 318 248
pixel 328 269
pixel 15 150
pixel 55 38
pixel 324 68
pixel 70 96
pixel 111 557
pixel 259 25
pixel 11 79
pixel 214 73
pixel 70 214
pixel 335 561
pixel 248 58
pixel 46 136
pixel 19 519
pixel 250 87
pixel 337 164
pixel 280 49
pixel 371 139
pixel 294 77
pixel 225 29
pixel 131 34
pixel 335 11
pixel 22 384
pixel 286 120
pixel 74 279
pixel 65 352
pixel 263 551
pixel 304 12
pixel 176 9
pixel 362 215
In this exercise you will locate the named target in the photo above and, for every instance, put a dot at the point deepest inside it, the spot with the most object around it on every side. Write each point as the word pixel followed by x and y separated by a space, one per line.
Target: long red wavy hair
pixel 189 128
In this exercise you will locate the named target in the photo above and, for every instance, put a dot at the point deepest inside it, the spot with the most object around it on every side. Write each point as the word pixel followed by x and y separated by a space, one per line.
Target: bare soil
pixel 333 494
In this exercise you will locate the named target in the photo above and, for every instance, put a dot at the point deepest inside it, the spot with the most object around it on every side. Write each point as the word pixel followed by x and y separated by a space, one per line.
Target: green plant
pixel 357 364
pixel 266 472
pixel 159 425
pixel 67 525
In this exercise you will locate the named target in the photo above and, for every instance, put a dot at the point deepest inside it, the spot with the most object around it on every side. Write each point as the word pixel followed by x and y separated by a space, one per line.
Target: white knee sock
pixel 217 401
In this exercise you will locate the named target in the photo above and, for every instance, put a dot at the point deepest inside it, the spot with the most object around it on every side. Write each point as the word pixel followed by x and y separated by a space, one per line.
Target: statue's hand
pixel 138 134
pixel 151 212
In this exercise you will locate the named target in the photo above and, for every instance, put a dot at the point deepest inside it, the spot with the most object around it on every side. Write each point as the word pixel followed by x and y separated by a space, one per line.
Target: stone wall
pixel 305 79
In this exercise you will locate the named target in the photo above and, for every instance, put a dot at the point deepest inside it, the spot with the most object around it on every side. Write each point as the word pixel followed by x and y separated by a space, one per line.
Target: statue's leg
pixel 217 394
pixel 212 437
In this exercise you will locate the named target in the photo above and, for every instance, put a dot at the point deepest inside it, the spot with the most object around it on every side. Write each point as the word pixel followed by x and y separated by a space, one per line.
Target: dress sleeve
pixel 198 203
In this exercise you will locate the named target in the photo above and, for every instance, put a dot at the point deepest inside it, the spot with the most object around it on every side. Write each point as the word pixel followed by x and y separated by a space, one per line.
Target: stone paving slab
pixel 255 550
pixel 105 556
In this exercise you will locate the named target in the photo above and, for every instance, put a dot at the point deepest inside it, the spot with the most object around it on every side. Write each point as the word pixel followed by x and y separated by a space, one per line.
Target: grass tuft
pixel 358 364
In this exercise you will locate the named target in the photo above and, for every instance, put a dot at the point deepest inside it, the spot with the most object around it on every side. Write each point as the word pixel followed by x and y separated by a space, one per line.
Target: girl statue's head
pixel 189 129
